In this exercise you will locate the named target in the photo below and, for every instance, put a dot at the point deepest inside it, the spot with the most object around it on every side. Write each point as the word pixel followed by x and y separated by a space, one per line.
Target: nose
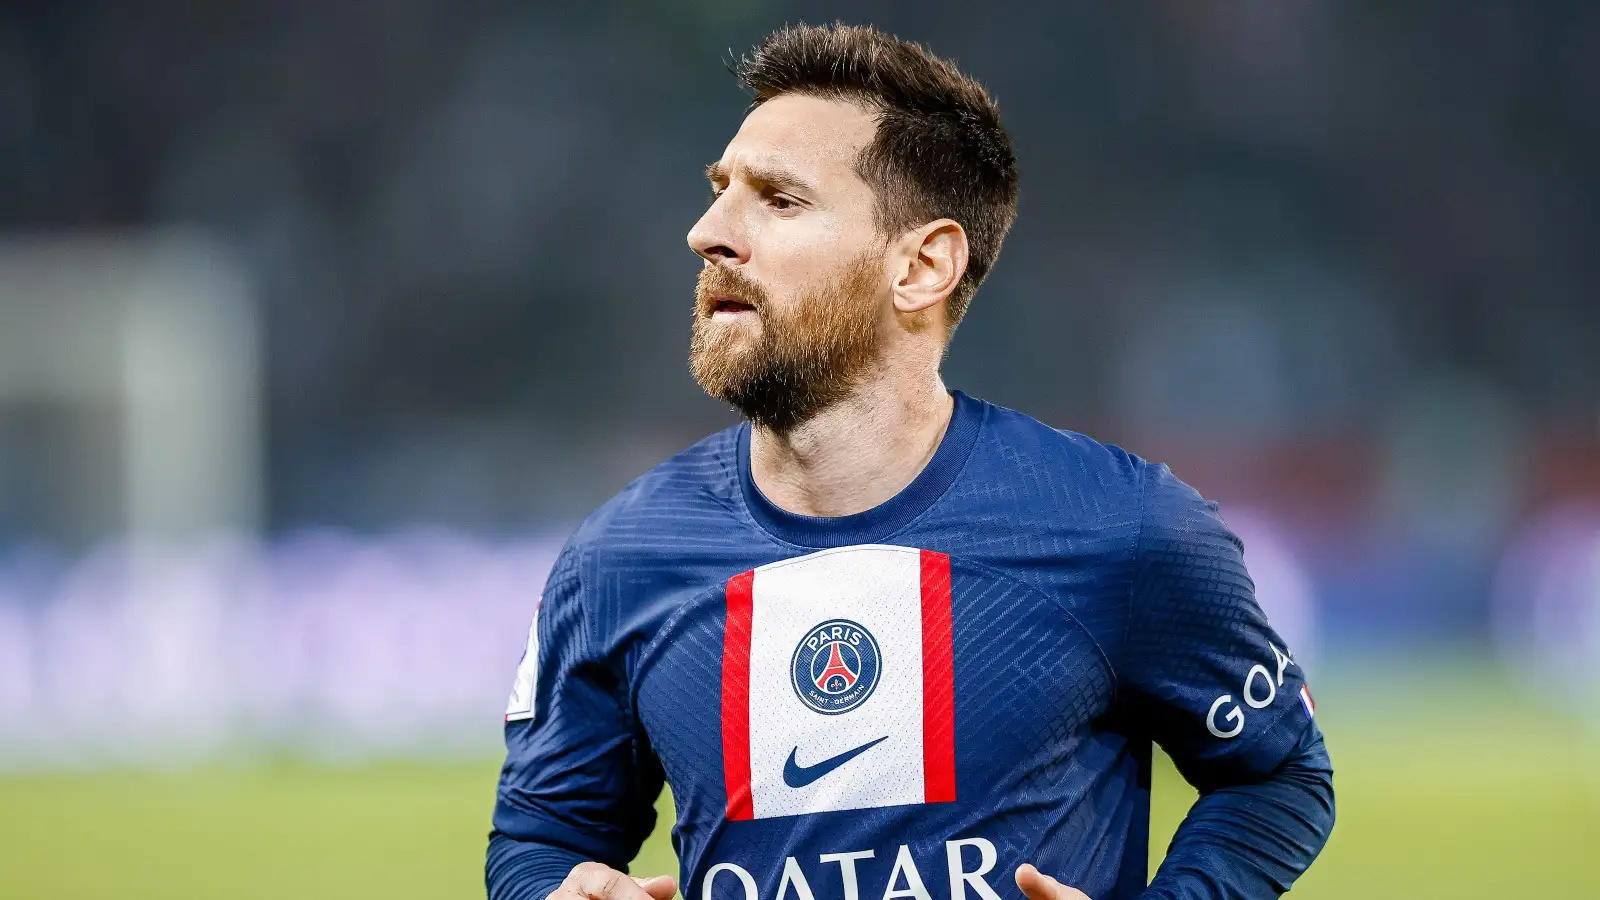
pixel 716 238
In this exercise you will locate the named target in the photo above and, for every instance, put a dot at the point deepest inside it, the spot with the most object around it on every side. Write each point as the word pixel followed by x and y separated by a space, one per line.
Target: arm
pixel 577 791
pixel 1252 840
pixel 1240 841
pixel 1210 681
pixel 525 870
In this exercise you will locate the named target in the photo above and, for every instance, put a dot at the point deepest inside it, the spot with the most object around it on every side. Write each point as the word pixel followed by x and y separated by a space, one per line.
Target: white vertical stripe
pixel 879 588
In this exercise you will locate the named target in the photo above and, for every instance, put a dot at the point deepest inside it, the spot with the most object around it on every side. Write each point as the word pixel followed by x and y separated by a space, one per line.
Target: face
pixel 792 301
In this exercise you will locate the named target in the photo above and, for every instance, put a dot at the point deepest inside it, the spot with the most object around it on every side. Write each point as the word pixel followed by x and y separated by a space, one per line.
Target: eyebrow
pixel 773 176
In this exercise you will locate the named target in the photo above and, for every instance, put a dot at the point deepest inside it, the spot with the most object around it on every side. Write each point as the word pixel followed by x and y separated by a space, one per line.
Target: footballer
pixel 883 639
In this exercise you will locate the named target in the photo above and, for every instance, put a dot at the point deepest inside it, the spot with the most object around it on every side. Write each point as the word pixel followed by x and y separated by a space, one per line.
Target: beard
pixel 805 360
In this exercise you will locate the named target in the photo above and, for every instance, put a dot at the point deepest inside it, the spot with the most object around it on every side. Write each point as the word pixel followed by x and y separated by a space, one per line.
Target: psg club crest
pixel 835 667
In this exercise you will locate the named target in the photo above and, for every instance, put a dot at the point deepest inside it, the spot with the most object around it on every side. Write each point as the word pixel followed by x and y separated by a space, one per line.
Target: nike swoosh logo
pixel 797 776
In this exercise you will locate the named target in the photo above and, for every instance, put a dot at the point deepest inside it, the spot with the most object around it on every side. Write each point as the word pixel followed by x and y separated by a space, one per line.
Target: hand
pixel 597 881
pixel 1036 885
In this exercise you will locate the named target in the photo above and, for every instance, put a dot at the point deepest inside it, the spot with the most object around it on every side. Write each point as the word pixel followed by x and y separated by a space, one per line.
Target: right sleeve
pixel 578 783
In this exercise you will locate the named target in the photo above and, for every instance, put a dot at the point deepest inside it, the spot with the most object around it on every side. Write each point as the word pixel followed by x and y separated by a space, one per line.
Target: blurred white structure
pixel 147 347
pixel 1547 608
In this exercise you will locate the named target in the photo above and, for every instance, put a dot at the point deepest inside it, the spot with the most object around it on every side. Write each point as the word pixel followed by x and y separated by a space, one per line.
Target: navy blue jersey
pixel 907 702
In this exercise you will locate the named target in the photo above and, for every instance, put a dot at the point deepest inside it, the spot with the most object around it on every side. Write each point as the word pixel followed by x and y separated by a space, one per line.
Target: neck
pixel 858 452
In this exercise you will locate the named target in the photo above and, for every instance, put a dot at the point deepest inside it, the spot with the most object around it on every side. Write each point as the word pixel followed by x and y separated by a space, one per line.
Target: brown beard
pixel 807 358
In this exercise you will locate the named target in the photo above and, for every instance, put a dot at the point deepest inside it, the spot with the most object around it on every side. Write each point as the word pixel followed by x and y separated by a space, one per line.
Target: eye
pixel 782 203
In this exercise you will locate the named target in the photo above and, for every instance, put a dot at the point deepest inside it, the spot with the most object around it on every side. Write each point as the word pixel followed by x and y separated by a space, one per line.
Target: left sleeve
pixel 1208 679
pixel 1252 840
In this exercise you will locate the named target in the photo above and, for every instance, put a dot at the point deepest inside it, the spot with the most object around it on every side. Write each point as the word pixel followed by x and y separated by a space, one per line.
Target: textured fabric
pixel 525 870
pixel 1246 840
pixel 1085 603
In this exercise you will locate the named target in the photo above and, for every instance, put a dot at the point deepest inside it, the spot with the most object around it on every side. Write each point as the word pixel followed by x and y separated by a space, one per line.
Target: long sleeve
pixel 525 870
pixel 1205 676
pixel 1253 839
pixel 579 781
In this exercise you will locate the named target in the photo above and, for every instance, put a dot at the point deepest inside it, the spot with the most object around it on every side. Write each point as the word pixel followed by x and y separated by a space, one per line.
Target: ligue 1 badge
pixel 835 667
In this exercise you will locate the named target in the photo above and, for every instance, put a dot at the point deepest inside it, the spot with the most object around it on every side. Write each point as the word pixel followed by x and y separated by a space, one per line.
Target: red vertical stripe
pixel 736 697
pixel 938 682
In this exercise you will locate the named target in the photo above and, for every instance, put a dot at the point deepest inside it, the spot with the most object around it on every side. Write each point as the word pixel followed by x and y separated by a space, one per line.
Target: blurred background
pixel 322 324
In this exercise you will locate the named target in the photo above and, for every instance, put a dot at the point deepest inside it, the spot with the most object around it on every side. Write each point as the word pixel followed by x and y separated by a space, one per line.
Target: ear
pixel 935 258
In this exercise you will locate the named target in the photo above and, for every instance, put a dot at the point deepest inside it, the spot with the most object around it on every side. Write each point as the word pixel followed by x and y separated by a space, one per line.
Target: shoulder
pixel 1092 496
pixel 1103 474
pixel 616 569
pixel 649 522
pixel 1062 466
pixel 685 493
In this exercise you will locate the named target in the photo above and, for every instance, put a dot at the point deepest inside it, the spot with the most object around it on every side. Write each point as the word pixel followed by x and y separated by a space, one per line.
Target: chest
pixel 862 678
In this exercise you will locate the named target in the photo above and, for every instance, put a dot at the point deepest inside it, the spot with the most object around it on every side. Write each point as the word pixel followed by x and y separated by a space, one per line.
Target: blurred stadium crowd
pixel 1334 262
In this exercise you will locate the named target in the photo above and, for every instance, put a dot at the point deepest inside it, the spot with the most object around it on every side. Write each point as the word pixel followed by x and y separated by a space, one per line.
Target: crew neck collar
pixel 883 520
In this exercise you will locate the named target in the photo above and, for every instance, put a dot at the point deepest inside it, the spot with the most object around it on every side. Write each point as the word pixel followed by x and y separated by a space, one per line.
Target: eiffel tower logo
pixel 835 668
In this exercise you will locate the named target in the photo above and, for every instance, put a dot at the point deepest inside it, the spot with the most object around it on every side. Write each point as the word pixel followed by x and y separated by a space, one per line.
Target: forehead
pixel 813 136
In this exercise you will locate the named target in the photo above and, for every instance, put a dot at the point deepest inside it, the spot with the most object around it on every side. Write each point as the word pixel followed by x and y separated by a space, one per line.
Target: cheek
pixel 793 255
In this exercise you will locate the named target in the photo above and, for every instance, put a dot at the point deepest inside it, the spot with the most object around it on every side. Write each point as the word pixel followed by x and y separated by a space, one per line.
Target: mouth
pixel 729 306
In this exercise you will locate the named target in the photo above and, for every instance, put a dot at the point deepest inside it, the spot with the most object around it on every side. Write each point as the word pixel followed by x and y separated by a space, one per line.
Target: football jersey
pixel 906 702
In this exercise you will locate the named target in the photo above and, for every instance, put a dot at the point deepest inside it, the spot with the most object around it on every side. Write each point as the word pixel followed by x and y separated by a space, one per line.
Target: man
pixel 884 640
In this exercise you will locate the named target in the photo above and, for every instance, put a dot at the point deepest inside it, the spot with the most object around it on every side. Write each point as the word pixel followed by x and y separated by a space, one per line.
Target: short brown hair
pixel 940 150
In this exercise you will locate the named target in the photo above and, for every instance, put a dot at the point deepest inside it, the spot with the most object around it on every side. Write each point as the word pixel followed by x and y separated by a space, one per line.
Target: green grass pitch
pixel 1447 788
